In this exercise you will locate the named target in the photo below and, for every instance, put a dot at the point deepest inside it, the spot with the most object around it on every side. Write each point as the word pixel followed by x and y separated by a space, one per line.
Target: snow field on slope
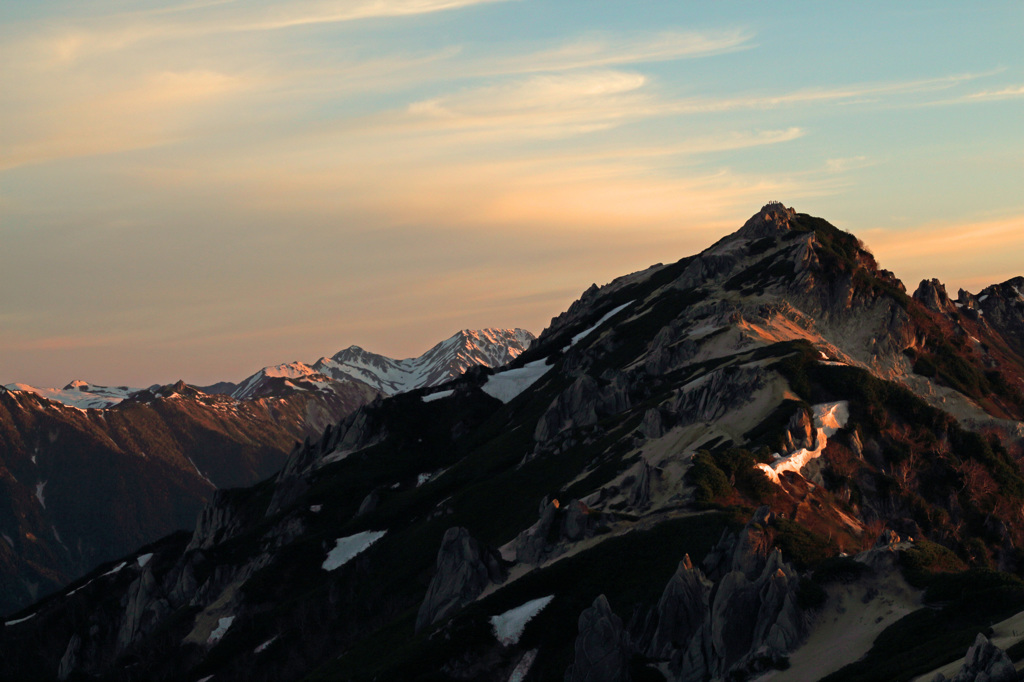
pixel 347 548
pixel 828 419
pixel 222 627
pixel 508 627
pixel 507 385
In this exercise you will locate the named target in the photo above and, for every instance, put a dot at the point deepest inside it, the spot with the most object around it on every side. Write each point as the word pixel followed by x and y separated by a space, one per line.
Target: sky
pixel 198 189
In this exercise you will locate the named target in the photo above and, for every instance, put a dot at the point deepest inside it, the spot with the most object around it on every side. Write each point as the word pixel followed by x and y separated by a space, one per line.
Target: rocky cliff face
pixel 685 477
pixel 464 570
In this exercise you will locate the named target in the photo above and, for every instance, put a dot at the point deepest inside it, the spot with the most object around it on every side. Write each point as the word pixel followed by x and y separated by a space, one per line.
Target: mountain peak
pixel 773 218
pixel 445 361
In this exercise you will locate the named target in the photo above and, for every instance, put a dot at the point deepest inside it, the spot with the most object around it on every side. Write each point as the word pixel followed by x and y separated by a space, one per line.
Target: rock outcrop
pixel 1002 306
pixel 751 626
pixel 583 404
pixel 985 662
pixel 745 551
pixel 801 432
pixel 681 612
pixel 602 648
pixel 558 524
pixel 216 523
pixel 464 569
pixel 932 294
pixel 715 394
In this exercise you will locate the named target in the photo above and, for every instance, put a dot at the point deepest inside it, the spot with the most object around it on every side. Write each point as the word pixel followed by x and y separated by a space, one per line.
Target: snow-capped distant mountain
pixel 80 394
pixel 445 361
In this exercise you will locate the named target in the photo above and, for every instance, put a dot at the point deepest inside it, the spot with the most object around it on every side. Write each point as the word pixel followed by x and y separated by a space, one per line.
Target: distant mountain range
pixel 443 362
pixel 88 473
pixel 763 461
pixel 447 360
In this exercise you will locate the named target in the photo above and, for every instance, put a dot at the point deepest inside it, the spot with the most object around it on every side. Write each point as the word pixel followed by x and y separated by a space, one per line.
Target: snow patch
pixel 437 396
pixel 508 627
pixel 423 478
pixel 828 418
pixel 20 620
pixel 39 493
pixel 348 547
pixel 222 627
pixel 144 559
pixel 507 385
pixel 583 334
pixel 981 299
pixel 315 508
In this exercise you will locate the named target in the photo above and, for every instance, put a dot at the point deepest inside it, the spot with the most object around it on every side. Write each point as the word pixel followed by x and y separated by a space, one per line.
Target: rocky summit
pixel 765 461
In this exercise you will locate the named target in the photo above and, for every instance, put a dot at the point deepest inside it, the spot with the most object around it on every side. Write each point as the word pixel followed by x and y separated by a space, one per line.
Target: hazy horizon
pixel 197 190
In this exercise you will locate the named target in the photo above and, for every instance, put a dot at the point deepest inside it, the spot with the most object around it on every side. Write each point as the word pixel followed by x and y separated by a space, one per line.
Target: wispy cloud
pixel 1009 92
pixel 291 14
pixel 65 41
pixel 598 51
pixel 546 105
pixel 149 112
pixel 860 92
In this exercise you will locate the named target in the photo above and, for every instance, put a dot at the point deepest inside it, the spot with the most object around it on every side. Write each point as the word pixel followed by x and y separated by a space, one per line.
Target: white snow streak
pixel 263 647
pixel 508 627
pixel 828 418
pixel 507 385
pixel 39 493
pixel 437 396
pixel 523 666
pixel 20 620
pixel 348 547
pixel 144 559
pixel 201 475
pixel 115 569
pixel 583 334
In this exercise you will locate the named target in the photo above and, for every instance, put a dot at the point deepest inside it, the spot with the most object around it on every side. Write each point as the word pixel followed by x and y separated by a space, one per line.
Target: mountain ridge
pixel 689 475
pixel 158 453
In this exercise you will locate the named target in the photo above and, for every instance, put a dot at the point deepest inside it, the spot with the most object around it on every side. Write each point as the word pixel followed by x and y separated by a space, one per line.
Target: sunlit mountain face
pixel 767 460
